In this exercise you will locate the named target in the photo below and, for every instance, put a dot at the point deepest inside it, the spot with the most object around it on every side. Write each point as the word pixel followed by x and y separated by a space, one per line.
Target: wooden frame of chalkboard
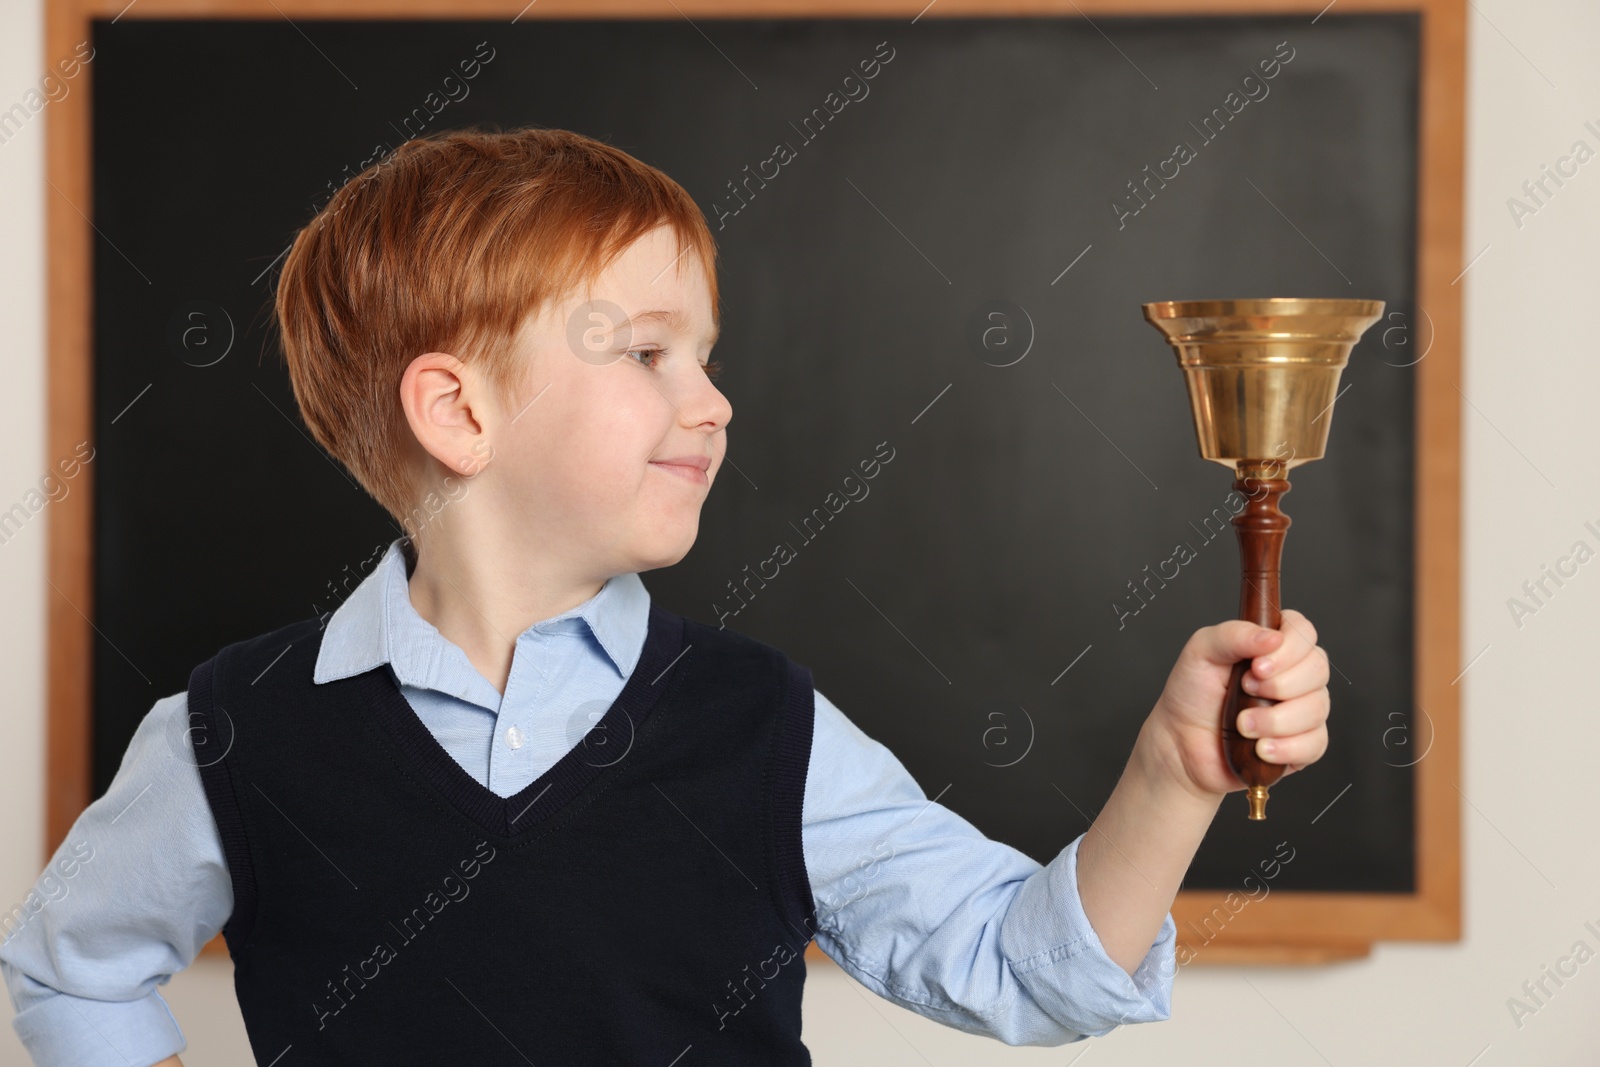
pixel 1288 927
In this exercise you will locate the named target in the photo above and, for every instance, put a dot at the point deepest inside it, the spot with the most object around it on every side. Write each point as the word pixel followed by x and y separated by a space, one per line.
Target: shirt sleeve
pixel 129 898
pixel 920 907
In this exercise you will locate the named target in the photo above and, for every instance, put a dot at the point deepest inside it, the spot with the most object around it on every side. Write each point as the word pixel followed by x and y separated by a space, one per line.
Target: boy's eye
pixel 712 368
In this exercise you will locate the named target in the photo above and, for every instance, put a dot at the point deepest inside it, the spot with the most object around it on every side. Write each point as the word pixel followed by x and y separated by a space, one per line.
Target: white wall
pixel 1532 745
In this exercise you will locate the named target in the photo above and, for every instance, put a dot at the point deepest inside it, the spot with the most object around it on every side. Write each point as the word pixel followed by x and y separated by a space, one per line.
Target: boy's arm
pixel 129 898
pixel 1147 833
pixel 1134 858
pixel 915 903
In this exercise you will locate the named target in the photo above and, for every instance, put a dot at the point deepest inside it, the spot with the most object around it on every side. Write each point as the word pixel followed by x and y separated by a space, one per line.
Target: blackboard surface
pixel 936 272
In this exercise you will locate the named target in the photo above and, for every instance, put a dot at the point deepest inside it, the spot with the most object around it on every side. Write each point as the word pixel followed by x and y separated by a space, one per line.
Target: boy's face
pixel 615 390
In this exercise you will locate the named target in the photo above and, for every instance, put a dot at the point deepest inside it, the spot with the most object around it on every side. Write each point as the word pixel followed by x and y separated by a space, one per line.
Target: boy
pixel 498 807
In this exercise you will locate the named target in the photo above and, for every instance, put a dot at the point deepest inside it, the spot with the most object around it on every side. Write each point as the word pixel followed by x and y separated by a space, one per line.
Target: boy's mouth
pixel 689 468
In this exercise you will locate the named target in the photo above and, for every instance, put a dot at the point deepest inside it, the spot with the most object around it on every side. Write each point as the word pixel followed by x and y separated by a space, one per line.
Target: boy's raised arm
pixel 129 898
pixel 1135 854
pixel 920 907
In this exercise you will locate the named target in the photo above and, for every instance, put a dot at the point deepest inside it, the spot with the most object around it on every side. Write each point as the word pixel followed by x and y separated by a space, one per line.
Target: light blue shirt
pixel 912 900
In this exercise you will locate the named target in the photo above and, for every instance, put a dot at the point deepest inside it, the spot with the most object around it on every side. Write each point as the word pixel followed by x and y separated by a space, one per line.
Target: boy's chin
pixel 662 554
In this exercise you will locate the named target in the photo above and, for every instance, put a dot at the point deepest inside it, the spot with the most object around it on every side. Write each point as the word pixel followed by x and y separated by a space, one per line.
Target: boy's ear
pixel 438 405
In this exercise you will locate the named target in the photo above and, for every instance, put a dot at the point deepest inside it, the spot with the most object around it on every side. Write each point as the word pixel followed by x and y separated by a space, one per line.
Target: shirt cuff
pixel 1057 957
pixel 62 1030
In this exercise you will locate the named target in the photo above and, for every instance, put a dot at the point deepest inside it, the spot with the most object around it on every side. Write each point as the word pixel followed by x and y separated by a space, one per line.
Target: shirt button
pixel 514 737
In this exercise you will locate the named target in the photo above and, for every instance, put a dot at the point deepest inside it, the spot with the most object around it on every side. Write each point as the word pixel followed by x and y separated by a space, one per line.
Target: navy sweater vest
pixel 645 901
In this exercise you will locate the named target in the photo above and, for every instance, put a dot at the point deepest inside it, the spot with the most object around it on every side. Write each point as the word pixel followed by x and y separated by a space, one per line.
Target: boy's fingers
pixel 1299 638
pixel 1298 749
pixel 1288 718
pixel 1307 676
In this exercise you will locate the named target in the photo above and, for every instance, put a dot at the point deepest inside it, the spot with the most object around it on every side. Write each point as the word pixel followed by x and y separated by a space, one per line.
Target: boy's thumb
pixel 1229 642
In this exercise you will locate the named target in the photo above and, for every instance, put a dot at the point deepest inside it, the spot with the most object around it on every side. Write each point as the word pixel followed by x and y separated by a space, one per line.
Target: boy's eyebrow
pixel 675 319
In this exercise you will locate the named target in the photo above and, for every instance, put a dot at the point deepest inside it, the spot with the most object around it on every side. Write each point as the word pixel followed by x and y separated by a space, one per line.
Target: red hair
pixel 449 244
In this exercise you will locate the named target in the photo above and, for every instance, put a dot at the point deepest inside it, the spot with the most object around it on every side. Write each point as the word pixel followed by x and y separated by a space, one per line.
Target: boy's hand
pixel 1288 666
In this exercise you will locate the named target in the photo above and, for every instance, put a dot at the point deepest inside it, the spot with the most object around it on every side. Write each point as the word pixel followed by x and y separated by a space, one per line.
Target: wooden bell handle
pixel 1261 527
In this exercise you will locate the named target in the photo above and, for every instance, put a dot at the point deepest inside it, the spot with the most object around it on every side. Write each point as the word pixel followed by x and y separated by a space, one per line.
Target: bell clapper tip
pixel 1257 795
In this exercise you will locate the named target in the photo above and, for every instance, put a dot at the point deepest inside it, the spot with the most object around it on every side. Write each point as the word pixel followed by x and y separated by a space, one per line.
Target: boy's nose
pixel 711 409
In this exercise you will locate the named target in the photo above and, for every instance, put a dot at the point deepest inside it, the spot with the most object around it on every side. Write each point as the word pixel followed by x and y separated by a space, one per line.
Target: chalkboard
pixel 940 280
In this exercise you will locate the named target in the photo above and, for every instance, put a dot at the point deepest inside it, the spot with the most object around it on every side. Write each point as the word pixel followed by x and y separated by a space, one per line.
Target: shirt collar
pixel 377 624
